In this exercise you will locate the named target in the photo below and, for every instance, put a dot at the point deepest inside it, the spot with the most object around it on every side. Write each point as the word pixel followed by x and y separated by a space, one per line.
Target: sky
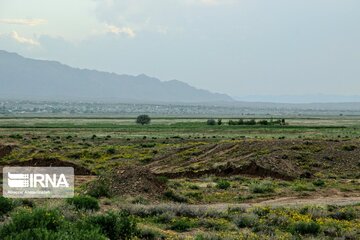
pixel 238 47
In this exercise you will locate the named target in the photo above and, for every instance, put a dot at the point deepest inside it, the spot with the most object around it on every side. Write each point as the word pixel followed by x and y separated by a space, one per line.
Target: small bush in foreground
pixel 67 233
pixel 84 203
pixel 40 224
pixel 99 188
pixel 6 205
pixel 38 218
pixel 115 225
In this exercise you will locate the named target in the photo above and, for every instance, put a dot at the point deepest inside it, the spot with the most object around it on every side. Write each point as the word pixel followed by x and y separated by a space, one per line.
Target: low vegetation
pixel 216 178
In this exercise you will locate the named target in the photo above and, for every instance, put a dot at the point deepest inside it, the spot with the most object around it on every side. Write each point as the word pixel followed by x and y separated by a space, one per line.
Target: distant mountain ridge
pixel 30 79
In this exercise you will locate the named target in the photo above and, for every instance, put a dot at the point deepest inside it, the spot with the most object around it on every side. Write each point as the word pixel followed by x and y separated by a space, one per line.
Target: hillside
pixel 24 78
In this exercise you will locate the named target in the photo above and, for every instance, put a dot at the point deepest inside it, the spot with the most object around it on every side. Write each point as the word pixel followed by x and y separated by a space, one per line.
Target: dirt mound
pixel 53 162
pixel 5 150
pixel 135 181
pixel 285 159
pixel 252 168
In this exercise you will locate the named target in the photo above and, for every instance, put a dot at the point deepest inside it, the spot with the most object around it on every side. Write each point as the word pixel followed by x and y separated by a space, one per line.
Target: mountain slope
pixel 23 78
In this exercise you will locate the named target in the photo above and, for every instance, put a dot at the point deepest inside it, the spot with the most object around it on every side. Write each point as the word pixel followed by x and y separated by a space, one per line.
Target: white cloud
pixel 211 2
pixel 21 21
pixel 124 30
pixel 165 17
pixel 24 40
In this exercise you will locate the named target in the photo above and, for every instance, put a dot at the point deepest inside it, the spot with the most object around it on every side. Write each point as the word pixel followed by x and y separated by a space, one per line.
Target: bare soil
pixel 135 181
pixel 285 159
pixel 50 162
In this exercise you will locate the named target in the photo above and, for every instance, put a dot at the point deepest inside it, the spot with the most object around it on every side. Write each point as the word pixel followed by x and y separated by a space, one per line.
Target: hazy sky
pixel 239 47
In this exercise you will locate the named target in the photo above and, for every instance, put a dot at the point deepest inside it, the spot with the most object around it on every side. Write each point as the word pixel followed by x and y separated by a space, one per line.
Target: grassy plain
pixel 185 179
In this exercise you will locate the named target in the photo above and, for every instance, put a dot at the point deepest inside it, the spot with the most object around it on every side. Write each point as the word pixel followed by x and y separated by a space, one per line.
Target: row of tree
pixel 248 122
pixel 145 119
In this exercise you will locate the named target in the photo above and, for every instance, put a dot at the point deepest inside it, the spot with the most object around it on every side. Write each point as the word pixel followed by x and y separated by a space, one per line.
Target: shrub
pixel 344 214
pixel 143 119
pixel 207 236
pixel 84 203
pixel 237 210
pixel 69 232
pixel 195 195
pixel 16 136
pixel 246 220
pixel 194 187
pixel 223 184
pixel 99 188
pixel 175 197
pixel 27 203
pixel 250 122
pixel 215 224
pixel 181 224
pixel 231 122
pixel 319 183
pixel 148 233
pixel 305 227
pixel 148 145
pixel 32 219
pixel 140 200
pixel 219 121
pixel 165 217
pixel 115 225
pixel 77 233
pixel 39 224
pixel 263 187
pixel 277 220
pixel 263 122
pixel 111 150
pixel 6 205
pixel 300 187
pixel 261 211
pixel 349 148
pixel 211 122
pixel 163 179
pixel 239 122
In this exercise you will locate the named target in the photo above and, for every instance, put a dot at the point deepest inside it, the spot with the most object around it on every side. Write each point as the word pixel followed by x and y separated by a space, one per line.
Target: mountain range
pixel 30 79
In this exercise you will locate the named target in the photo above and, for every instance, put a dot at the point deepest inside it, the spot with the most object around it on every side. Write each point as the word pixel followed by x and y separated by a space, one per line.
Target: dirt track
pixel 288 202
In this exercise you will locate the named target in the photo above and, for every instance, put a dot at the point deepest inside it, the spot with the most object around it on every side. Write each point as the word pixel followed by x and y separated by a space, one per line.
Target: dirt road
pixel 289 202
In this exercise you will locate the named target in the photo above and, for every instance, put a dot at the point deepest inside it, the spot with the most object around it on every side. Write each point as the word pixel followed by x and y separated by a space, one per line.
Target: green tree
pixel 211 122
pixel 143 119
